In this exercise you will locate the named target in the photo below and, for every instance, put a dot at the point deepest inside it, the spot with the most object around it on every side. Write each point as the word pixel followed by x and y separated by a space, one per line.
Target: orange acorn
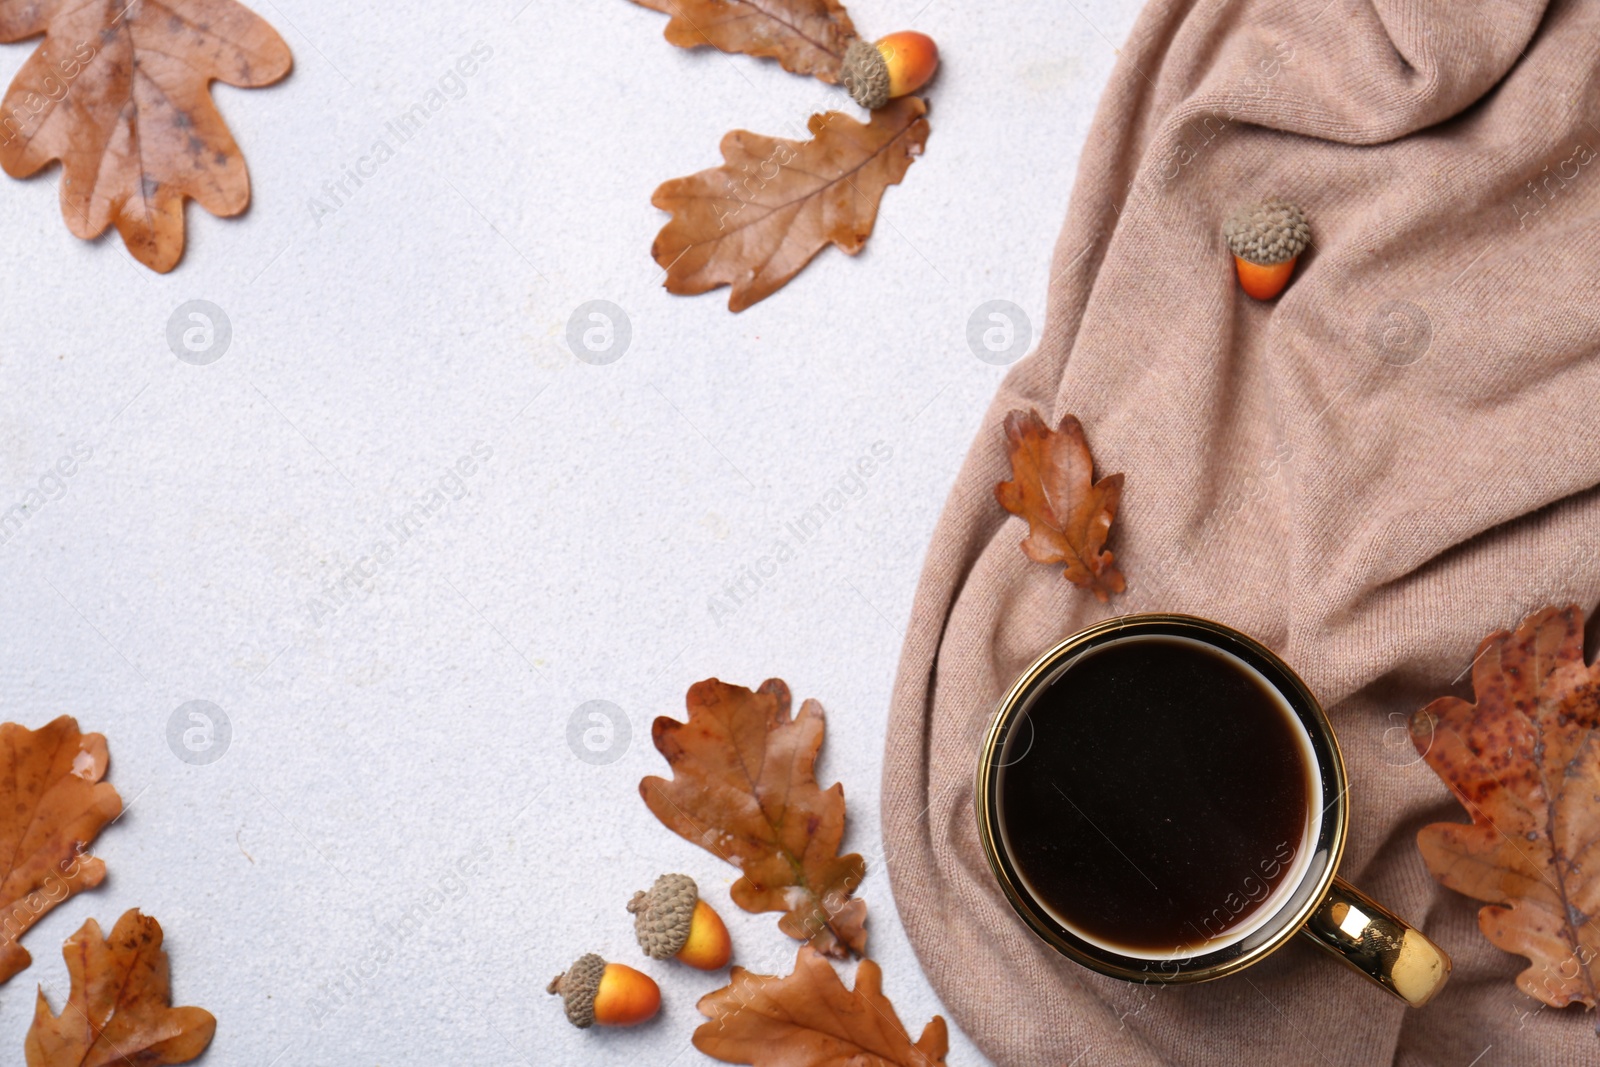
pixel 898 64
pixel 611 994
pixel 1266 240
pixel 672 922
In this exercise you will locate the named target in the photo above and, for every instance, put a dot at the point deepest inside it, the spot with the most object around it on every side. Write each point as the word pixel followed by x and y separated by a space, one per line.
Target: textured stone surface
pixel 399 841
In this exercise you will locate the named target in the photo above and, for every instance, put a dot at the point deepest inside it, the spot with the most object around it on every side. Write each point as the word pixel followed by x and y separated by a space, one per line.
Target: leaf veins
pixel 119 92
pixel 744 788
pixel 809 1019
pixel 119 1010
pixel 1524 760
pixel 755 221
pixel 1069 514
pixel 52 805
pixel 805 36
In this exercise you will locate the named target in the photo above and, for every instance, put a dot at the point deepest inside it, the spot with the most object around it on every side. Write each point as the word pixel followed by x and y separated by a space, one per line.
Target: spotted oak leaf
pixel 52 805
pixel 119 92
pixel 744 788
pixel 119 1010
pixel 805 36
pixel 1524 760
pixel 809 1019
pixel 755 221
pixel 1069 514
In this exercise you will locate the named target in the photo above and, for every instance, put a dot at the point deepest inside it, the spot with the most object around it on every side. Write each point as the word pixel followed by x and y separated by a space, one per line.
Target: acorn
pixel 1266 240
pixel 671 921
pixel 611 994
pixel 898 64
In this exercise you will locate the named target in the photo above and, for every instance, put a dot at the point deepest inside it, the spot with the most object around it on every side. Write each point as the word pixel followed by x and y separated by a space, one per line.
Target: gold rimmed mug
pixel 1315 902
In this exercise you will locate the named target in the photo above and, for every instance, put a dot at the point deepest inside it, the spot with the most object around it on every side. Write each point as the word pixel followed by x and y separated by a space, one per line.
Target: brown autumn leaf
pixel 809 1019
pixel 119 92
pixel 119 1010
pixel 52 805
pixel 1525 763
pixel 755 221
pixel 1068 512
pixel 744 788
pixel 806 36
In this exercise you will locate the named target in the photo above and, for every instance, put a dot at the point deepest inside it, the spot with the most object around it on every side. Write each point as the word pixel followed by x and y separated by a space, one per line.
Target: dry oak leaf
pixel 119 1010
pixel 1069 513
pixel 743 787
pixel 809 1019
pixel 755 221
pixel 52 805
pixel 1525 763
pixel 119 92
pixel 806 36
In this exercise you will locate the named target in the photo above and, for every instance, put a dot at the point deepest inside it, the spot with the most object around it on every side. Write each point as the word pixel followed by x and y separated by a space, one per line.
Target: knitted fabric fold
pixel 1392 460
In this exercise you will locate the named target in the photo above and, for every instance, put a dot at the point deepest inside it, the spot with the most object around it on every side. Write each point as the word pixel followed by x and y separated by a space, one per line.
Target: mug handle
pixel 1372 939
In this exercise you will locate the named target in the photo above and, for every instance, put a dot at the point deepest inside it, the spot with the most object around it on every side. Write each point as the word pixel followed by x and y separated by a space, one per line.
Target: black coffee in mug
pixel 1162 799
pixel 1159 797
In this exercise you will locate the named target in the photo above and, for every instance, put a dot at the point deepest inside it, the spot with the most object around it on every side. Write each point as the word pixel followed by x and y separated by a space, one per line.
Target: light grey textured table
pixel 400 703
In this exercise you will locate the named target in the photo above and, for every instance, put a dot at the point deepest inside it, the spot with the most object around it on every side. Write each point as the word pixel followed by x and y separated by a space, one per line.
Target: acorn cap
pixel 578 988
pixel 1273 231
pixel 661 917
pixel 866 74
